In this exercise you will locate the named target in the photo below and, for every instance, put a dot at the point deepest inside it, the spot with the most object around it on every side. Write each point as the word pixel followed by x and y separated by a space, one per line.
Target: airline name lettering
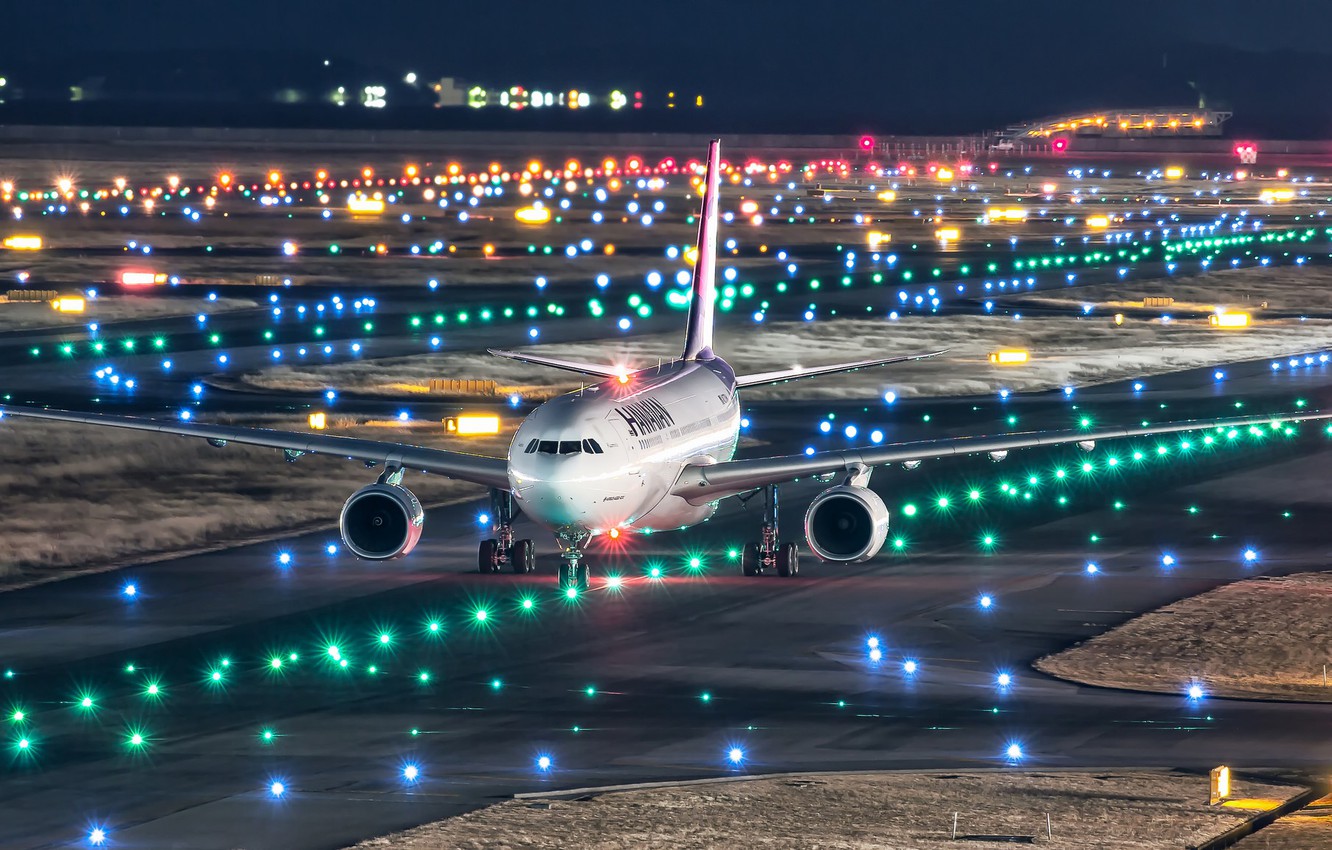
pixel 645 417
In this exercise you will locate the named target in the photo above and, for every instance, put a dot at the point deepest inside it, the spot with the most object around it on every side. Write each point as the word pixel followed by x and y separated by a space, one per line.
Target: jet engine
pixel 846 523
pixel 381 521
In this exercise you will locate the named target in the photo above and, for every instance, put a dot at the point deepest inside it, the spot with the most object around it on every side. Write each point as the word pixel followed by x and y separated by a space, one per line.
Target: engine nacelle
pixel 847 524
pixel 381 522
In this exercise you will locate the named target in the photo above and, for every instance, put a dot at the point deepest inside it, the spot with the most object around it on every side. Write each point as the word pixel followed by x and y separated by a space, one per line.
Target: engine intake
pixel 381 522
pixel 847 524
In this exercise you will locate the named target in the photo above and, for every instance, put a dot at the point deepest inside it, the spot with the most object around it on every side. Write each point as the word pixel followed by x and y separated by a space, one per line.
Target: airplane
pixel 638 451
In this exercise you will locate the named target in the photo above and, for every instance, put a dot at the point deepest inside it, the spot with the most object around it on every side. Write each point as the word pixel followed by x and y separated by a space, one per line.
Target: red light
pixel 867 143
pixel 1059 145
pixel 614 534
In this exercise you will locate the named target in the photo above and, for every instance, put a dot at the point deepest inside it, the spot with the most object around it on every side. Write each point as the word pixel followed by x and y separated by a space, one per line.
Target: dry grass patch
pixel 885 811
pixel 1264 638
pixel 79 497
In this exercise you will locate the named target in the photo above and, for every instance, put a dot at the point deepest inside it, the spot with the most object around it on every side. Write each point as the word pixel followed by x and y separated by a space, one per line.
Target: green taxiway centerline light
pixel 909 510
pixel 267 736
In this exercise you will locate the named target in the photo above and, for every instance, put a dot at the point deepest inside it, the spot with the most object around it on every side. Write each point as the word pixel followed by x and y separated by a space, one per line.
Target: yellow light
pixel 23 243
pixel 1220 789
pixel 142 278
pixel 472 424
pixel 65 184
pixel 691 255
pixel 1229 320
pixel 534 167
pixel 173 181
pixel 532 215
pixel 1010 214
pixel 944 174
pixel 1270 196
pixel 69 304
pixel 1009 357
pixel 749 207
pixel 1049 188
pixel 488 249
pixel 223 179
pixel 1119 319
pixel 875 238
pixel 318 420
pixel 274 177
pixel 1098 221
pixel 887 196
pixel 947 234
pixel 1174 172
pixel 361 205
pixel 412 171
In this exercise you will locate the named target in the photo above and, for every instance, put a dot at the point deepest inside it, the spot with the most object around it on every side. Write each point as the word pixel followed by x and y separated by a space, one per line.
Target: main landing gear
pixel 770 552
pixel 502 549
pixel 573 572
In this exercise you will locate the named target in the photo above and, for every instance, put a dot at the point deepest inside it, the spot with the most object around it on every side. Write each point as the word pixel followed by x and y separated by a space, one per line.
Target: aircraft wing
pixel 557 363
pixel 705 483
pixel 487 471
pixel 758 379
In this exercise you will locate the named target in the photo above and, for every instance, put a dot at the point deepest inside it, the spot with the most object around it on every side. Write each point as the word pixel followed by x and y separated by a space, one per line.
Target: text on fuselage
pixel 645 417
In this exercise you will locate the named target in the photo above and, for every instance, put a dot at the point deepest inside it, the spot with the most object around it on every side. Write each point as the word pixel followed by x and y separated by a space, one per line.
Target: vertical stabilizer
pixel 698 337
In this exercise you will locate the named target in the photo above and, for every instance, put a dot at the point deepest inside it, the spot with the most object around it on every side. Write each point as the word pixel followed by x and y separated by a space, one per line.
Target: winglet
pixel 698 337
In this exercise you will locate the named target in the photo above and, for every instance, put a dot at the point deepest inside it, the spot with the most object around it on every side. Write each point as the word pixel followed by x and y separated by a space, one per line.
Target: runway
pixel 784 664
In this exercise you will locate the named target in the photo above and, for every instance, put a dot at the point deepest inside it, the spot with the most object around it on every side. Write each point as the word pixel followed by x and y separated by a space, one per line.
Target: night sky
pixel 978 61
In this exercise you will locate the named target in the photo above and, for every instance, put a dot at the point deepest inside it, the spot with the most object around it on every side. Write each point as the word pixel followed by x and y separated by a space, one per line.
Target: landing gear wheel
pixel 788 560
pixel 522 557
pixel 750 564
pixel 580 578
pixel 566 579
pixel 487 556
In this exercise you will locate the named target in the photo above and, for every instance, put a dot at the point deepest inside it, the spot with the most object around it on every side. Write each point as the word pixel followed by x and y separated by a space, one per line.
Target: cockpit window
pixel 591 447
pixel 570 447
pixel 531 447
pixel 549 447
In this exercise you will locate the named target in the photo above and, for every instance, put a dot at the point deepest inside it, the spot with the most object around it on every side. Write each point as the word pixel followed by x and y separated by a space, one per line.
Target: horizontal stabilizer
pixel 760 378
pixel 557 363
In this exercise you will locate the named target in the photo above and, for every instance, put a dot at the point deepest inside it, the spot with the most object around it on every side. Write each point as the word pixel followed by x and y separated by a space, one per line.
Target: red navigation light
pixel 867 143
pixel 1059 145
pixel 614 534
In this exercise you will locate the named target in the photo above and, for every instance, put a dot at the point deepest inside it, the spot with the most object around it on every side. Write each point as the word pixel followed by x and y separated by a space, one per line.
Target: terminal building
pixel 1161 121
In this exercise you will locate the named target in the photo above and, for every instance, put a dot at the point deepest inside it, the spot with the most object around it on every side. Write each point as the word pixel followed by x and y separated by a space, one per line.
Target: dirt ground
pixel 884 811
pixel 1264 638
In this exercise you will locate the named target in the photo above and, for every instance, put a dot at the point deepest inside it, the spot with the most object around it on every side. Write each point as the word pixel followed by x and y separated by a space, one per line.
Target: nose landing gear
pixel 770 552
pixel 496 552
pixel 573 572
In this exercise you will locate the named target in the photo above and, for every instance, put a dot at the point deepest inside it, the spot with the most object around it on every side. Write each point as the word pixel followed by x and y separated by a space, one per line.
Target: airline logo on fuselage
pixel 645 417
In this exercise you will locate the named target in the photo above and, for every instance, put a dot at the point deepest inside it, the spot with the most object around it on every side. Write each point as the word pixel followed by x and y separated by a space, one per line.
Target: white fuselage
pixel 608 455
